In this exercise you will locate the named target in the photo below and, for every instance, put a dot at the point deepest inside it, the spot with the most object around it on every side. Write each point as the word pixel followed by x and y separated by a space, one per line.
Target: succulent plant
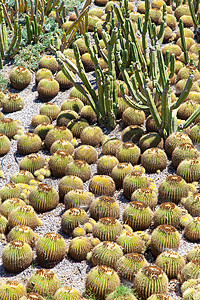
pixel 77 126
pixel 150 280
pixel 72 218
pixel 128 152
pixel 4 144
pixel 86 153
pixel 68 293
pixel 107 229
pixel 57 133
pixel 32 296
pixel 154 159
pixel 172 189
pixel 43 198
pixel 22 176
pixel 132 133
pixel 79 247
pixel 32 162
pixel 12 290
pixel 192 230
pixel 63 81
pixel 28 143
pixel 171 263
pixel 182 152
pixel 101 281
pixel 9 127
pixel 150 140
pixel 132 116
pixel 24 234
pixel 185 219
pixel 78 231
pixel 151 125
pixel 17 256
pixel 193 254
pixel 105 164
pixel 110 146
pixel 79 168
pixel 163 238
pixel 58 163
pixel 65 116
pixel 47 89
pixel 74 93
pixel 73 104
pixel 133 181
pixel 8 205
pixel 119 172
pixel 167 213
pixel 189 169
pixel 62 145
pixel 23 215
pixel 160 297
pixel 43 282
pixel 128 265
pixel 68 183
pixel 186 109
pixel 49 62
pixel 43 73
pixel 192 204
pixel 104 206
pixel 20 77
pixel 88 114
pixel 91 136
pixel 51 110
pixel 12 103
pixel 189 284
pixel 137 215
pixel 42 129
pixel 40 119
pixel 194 133
pixel 106 253
pixel 10 190
pixel 175 139
pixel 78 198
pixel 102 185
pixel 3 224
pixel 190 271
pixel 131 242
pixel 50 249
pixel 145 195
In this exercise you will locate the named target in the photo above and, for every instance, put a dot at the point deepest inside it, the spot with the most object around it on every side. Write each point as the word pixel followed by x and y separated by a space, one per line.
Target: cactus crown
pixel 33 156
pixel 22 228
pixel 108 221
pixel 152 271
pixel 17 244
pixel 110 245
pixel 106 270
pixel 128 145
pixel 171 254
pixel 7 120
pixel 62 153
pixel 146 190
pixel 187 146
pixel 135 256
pixel 138 205
pixel 79 163
pixel 10 185
pixel 167 206
pixel 12 283
pixel 20 70
pixel 75 211
pixel 44 187
pixel 30 134
pixel 173 179
pixel 60 128
pixel 196 262
pixel 106 199
pixel 53 236
pixel 47 274
pixel 13 97
pixel 166 228
pixel 122 165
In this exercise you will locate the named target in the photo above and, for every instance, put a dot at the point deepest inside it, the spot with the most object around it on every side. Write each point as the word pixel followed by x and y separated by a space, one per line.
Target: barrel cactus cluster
pixel 106 183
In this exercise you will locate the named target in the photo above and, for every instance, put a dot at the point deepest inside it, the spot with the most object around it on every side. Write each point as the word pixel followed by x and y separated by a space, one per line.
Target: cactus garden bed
pixel 99 145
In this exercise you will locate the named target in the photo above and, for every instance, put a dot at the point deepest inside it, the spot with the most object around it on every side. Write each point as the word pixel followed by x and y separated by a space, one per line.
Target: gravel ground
pixel 69 272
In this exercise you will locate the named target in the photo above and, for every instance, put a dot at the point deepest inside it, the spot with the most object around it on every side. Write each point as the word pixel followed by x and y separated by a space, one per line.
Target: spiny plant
pixel 78 198
pixel 131 242
pixel 107 229
pixel 104 206
pixel 24 234
pixel 167 213
pixel 102 185
pixel 8 205
pixel 106 253
pixel 72 218
pixel 10 289
pixel 50 249
pixel 68 183
pixel 122 292
pixel 79 247
pixel 101 281
pixel 17 256
pixel 43 282
pixel 145 195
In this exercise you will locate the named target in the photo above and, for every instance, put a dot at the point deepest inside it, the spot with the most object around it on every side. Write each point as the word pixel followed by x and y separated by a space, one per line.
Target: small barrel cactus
pixel 72 218
pixel 20 77
pixel 107 229
pixel 79 247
